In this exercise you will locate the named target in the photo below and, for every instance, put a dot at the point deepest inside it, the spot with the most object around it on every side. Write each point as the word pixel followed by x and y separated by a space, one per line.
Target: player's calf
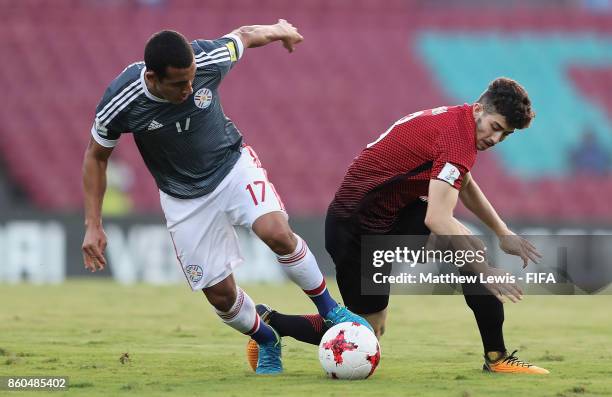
pixel 295 258
pixel 308 328
pixel 274 230
pixel 222 296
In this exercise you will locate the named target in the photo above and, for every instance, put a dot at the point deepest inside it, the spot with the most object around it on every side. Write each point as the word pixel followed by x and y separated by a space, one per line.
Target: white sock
pixel 301 267
pixel 242 316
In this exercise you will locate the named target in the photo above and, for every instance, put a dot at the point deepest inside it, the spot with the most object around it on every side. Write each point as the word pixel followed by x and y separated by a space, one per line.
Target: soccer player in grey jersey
pixel 209 181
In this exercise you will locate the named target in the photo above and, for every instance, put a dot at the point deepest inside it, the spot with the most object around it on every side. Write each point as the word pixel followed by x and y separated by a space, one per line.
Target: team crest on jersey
pixel 203 98
pixel 194 273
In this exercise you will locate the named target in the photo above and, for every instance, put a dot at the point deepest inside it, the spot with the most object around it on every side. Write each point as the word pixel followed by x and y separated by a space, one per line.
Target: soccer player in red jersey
pixel 408 182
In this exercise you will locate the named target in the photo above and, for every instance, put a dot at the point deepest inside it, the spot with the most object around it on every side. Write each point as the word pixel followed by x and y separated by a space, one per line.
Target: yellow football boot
pixel 510 364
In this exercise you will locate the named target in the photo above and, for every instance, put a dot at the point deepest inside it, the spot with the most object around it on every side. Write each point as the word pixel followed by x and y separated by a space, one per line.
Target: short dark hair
pixel 508 98
pixel 167 48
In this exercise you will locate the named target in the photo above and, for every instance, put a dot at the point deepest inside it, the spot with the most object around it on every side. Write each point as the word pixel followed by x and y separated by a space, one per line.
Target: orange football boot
pixel 252 353
pixel 510 364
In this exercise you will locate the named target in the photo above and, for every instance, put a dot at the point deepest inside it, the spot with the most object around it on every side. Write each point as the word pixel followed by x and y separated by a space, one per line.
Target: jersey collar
pixel 146 89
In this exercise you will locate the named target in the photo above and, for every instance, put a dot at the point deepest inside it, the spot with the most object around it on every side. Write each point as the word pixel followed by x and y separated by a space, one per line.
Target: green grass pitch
pixel 177 346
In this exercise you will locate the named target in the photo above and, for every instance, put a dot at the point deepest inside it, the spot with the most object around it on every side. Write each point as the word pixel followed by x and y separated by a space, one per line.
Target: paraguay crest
pixel 194 273
pixel 203 98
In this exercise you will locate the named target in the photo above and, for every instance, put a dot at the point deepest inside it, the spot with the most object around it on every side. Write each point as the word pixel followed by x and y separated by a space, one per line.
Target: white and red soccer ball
pixel 349 351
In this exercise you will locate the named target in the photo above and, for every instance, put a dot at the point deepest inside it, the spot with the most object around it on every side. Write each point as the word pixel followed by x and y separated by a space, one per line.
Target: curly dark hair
pixel 167 48
pixel 508 98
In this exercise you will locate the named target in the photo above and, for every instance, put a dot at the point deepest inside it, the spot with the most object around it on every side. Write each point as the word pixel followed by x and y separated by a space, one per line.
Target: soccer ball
pixel 349 351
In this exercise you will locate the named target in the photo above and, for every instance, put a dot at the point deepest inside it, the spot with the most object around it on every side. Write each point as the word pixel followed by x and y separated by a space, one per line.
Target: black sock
pixel 306 328
pixel 489 313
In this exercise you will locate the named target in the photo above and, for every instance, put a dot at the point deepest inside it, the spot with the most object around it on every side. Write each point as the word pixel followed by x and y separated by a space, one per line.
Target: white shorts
pixel 202 229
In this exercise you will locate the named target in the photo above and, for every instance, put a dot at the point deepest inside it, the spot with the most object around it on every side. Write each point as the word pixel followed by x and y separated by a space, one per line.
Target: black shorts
pixel 343 243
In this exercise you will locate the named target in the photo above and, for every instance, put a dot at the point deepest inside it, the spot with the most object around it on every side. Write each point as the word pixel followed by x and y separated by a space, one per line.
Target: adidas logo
pixel 154 125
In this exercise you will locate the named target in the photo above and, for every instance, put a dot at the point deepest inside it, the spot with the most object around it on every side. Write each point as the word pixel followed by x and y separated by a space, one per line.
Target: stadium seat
pixel 361 67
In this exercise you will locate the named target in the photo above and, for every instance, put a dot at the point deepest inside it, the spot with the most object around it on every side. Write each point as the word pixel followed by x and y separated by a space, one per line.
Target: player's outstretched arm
pixel 474 200
pixel 260 35
pixel 94 186
pixel 442 199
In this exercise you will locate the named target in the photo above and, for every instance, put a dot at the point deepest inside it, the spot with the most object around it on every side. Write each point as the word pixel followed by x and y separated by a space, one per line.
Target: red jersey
pixel 395 170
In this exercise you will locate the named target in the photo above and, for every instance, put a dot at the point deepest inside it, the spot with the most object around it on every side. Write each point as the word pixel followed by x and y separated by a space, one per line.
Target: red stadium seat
pixel 307 115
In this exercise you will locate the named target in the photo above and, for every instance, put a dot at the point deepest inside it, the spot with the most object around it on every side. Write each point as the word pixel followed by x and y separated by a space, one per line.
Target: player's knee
pixel 276 233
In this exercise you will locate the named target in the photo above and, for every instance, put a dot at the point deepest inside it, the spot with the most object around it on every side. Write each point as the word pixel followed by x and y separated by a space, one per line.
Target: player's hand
pixel 516 245
pixel 289 34
pixel 500 290
pixel 93 248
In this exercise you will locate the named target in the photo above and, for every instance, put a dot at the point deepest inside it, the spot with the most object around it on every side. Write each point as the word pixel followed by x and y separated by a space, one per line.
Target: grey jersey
pixel 188 148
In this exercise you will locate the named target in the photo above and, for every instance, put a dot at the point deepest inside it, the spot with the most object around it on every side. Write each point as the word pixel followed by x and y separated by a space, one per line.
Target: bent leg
pixel 489 314
pixel 307 328
pixel 310 328
pixel 253 203
pixel 237 309
pixel 295 258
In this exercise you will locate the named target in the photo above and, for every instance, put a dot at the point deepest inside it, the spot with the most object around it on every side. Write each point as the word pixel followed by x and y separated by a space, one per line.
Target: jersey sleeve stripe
pixel 103 141
pixel 239 45
pixel 216 56
pixel 224 54
pixel 117 98
pixel 213 61
pixel 205 54
pixel 101 116
pixel 135 95
pixel 220 54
